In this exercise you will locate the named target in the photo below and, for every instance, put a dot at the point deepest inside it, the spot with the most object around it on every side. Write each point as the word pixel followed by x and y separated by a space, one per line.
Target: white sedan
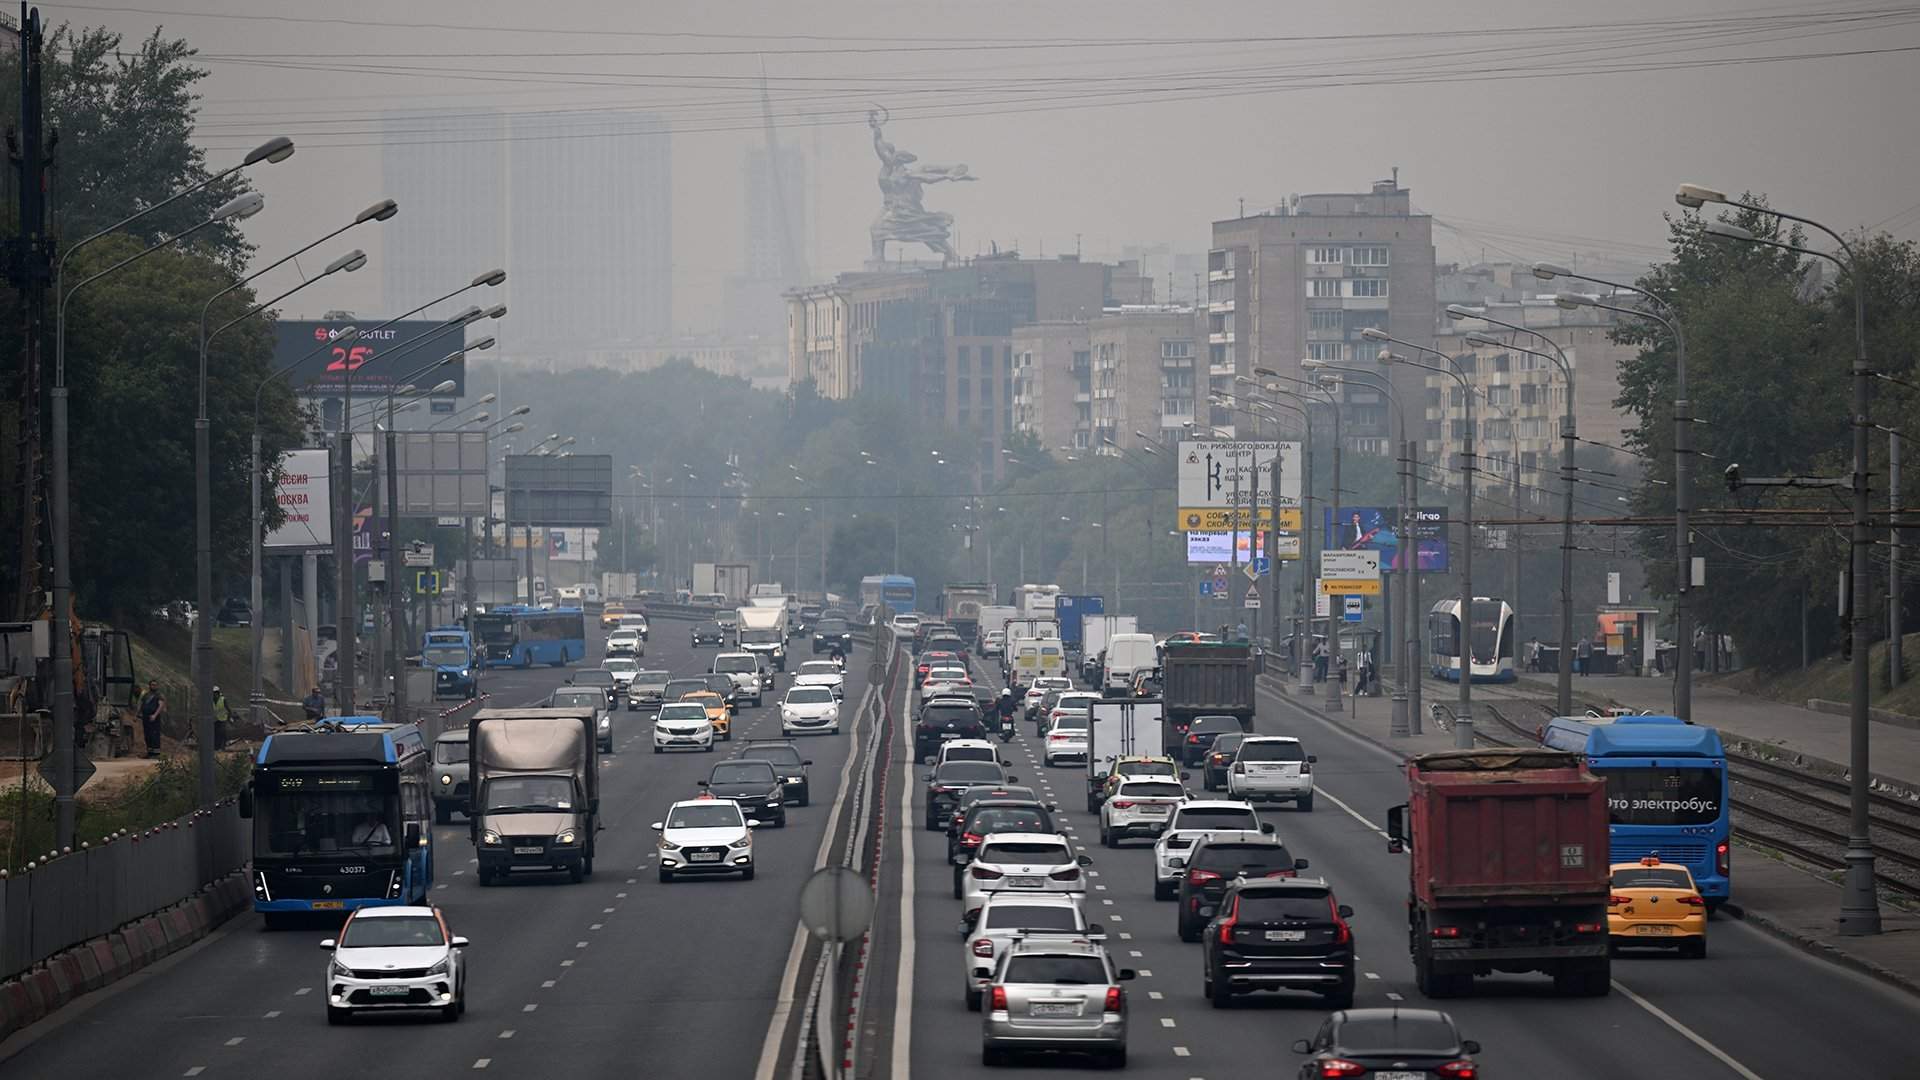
pixel 682 725
pixel 390 958
pixel 809 709
pixel 705 836
pixel 1066 738
pixel 822 673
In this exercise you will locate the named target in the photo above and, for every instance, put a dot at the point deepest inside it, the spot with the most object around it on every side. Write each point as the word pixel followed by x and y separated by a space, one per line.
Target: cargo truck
pixel 731 580
pixel 1118 728
pixel 993 618
pixel 1203 679
pixel 535 790
pixel 1095 632
pixel 1072 611
pixel 961 605
pixel 763 632
pixel 1508 868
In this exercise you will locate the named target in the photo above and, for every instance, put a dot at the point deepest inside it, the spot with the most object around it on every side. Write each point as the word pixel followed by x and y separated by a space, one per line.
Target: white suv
pixel 1193 820
pixel 1001 918
pixel 682 725
pixel 744 669
pixel 705 836
pixel 1139 808
pixel 809 708
pixel 1021 863
pixel 1272 767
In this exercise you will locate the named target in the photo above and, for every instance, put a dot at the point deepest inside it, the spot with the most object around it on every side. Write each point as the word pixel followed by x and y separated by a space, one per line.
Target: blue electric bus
pixel 894 590
pixel 449 653
pixel 1490 634
pixel 1666 790
pixel 342 817
pixel 515 635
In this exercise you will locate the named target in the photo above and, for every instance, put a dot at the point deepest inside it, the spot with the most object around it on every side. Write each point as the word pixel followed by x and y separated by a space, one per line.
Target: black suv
pixel 950 717
pixel 1214 863
pixel 786 760
pixel 945 784
pixel 829 632
pixel 752 783
pixel 1200 736
pixel 1279 934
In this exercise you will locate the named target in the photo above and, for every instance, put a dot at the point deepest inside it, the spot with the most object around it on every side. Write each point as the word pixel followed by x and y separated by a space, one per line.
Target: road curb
pixel 91 965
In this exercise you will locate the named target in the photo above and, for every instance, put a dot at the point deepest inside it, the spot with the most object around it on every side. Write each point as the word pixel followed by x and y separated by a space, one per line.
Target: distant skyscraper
pixel 592 227
pixel 776 242
pixel 447 171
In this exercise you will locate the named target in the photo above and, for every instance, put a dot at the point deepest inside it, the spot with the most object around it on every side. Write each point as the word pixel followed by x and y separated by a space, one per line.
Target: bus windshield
pixel 1662 795
pixel 323 822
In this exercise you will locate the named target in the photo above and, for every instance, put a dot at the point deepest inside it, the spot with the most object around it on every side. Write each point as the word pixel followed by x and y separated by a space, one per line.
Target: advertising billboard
pixel 1216 547
pixel 1376 528
pixel 316 367
pixel 305 505
pixel 561 492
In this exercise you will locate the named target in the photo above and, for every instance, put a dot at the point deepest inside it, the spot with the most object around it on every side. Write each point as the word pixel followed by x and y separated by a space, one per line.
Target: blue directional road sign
pixel 1261 564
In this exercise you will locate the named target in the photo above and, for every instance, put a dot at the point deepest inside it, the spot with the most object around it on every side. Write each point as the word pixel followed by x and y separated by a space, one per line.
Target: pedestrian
pixel 1583 656
pixel 1363 664
pixel 153 711
pixel 1320 661
pixel 222 719
pixel 1533 654
pixel 1240 632
pixel 1699 648
pixel 315 705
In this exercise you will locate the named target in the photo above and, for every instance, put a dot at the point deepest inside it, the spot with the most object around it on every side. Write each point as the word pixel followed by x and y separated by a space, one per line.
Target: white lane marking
pixel 1687 1033
pixel 1351 812
pixel 1106 901
pixel 1372 975
pixel 608 910
pixel 631 881
pixel 1145 974
pixel 195 1071
pixel 442 885
pixel 566 963
pixel 529 1007
pixel 579 944
pixel 236 1040
pixel 1135 952
pixel 546 984
pixel 272 1014
pixel 507 1034
pixel 1116 918
pixel 481 1063
pixel 1099 888
pixel 457 873
pixel 596 926
pixel 1124 936
pixel 1181 1051
pixel 1166 1021
pixel 1391 996
pixel 1155 995
pixel 303 990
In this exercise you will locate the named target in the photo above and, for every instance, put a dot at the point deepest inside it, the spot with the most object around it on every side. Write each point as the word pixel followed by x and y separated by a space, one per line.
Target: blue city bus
pixel 449 653
pixel 1666 790
pixel 342 818
pixel 894 590
pixel 515 635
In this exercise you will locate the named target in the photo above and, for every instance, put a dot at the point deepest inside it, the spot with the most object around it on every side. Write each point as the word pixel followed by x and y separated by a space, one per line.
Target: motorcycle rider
pixel 1004 709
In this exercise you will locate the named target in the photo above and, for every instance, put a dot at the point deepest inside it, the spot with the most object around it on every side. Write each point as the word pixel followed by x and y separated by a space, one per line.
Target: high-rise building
pixel 447 170
pixel 592 228
pixel 777 242
pixel 1304 279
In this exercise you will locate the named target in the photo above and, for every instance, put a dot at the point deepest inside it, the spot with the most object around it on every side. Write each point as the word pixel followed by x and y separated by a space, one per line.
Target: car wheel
pixel 933 823
pixel 1117 1059
pixel 575 873
pixel 1188 932
pixel 338 1016
pixel 657 750
pixel 747 874
pixel 974 998
pixel 1694 948
pixel 1162 891
pixel 1304 802
pixel 586 865
pixel 449 1013
pixel 992 1058
pixel 1219 992
pixel 707 749
pixel 780 822
pixel 460 998
pixel 1341 998
pixel 1106 837
pixel 666 876
pixel 805 797
pixel 485 876
pixel 958 889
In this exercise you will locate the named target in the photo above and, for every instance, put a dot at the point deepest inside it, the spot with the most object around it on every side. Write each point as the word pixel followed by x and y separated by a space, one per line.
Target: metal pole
pixel 1333 618
pixel 346 611
pixel 1894 673
pixel 1409 554
pixel 255 586
pixel 1305 605
pixel 1565 685
pixel 1410 652
pixel 1860 907
pixel 397 657
pixel 1253 523
pixel 1463 725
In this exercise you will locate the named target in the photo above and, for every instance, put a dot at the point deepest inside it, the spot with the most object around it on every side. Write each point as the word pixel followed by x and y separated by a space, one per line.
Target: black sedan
pixel 831 634
pixel 755 785
pixel 1200 736
pixel 1369 1042
pixel 945 784
pixel 1219 759
pixel 709 634
pixel 786 760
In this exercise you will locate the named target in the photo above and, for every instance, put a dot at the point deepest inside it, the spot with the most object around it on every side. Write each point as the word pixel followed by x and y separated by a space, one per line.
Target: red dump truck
pixel 1508 854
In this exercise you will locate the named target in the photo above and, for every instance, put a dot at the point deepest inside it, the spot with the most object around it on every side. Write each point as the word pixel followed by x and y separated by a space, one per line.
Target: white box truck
pixel 1127 656
pixel 1095 632
pixel 1121 727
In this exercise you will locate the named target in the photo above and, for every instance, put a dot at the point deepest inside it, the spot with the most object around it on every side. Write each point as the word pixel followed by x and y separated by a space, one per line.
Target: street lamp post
pixel 1860 903
pixel 1682 465
pixel 1567 438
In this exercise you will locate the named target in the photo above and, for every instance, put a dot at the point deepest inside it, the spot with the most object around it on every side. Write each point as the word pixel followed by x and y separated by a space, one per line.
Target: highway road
pixel 619 975
pixel 1755 1009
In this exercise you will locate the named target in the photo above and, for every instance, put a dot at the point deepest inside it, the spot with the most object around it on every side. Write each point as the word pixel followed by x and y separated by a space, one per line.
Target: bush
pixel 170 791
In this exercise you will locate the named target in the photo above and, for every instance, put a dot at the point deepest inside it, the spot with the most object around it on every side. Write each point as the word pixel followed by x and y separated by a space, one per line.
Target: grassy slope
pixel 1830 677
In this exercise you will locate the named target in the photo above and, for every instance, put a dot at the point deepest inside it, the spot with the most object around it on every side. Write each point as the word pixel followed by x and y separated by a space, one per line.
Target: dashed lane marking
pixel 579 944
pixel 1372 975
pixel 1135 952
pixel 1166 1022
pixel 1155 995
pixel 596 926
pixel 1688 1033
pixel 507 1034
pixel 195 1071
pixel 566 963
pixel 1181 1051
pixel 1391 996
pixel 546 984
pixel 528 1007
pixel 236 1040
pixel 481 1063
pixel 303 990
pixel 272 1014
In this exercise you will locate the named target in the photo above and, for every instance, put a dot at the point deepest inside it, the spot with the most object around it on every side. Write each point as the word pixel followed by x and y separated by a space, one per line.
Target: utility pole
pixel 1253 524
pixel 396 660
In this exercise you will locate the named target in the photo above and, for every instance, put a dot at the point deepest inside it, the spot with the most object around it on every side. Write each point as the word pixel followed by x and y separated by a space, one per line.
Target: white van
pixel 1127 656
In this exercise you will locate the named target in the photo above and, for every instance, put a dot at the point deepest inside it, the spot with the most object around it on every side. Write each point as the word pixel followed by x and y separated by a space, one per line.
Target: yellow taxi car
pixel 1138 767
pixel 610 614
pixel 1656 904
pixel 717 713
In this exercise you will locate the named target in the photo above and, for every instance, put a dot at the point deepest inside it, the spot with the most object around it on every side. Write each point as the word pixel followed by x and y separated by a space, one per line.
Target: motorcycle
pixel 1007 727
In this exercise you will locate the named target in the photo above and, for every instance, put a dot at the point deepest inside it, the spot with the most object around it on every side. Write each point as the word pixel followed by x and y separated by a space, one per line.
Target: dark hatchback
pixel 1279 934
pixel 786 760
pixel 1421 1043
pixel 1213 864
pixel 831 632
pixel 1219 759
pixel 753 784
pixel 1202 732
pixel 944 785
pixel 709 634
pixel 946 719
pixel 983 817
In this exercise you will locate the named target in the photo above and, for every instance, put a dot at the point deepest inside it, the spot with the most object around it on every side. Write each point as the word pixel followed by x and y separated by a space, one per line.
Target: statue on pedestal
pixel 903 217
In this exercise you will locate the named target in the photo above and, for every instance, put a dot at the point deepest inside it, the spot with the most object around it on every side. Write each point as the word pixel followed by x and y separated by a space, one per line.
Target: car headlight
pixel 605 723
pixel 744 842
pixel 665 844
pixel 337 970
pixel 439 968
pixel 566 836
pixel 464 673
pixel 489 837
pixel 446 778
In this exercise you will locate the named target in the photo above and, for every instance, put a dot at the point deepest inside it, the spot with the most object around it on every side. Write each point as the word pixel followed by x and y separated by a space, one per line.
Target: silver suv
pixel 1059 993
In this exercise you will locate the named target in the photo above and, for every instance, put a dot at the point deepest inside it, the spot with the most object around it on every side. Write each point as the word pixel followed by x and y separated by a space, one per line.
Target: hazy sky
pixel 1123 122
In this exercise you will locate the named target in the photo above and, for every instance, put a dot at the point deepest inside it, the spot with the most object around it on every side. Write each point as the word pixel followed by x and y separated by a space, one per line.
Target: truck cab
pixel 455 661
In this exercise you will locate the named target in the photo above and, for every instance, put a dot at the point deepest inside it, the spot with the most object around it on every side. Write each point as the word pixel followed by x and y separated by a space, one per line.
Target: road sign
pixel 1206 588
pixel 426 582
pixel 1216 474
pixel 1262 564
pixel 448 522
pixel 1322 603
pixel 1356 587
pixel 1224 518
pixel 83 769
pixel 1253 597
pixel 1356 609
pixel 1249 570
pixel 417 554
pixel 836 904
pixel 1349 565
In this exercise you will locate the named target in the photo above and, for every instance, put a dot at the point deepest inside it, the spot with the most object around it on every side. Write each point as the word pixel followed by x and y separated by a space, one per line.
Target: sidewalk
pixel 1789 729
pixel 1795 905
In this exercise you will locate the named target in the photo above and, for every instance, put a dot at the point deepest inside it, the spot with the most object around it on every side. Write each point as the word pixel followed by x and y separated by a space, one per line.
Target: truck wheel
pixel 586 865
pixel 805 797
pixel 575 873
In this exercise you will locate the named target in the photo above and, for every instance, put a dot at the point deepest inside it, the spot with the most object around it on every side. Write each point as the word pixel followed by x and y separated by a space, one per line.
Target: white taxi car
pixel 682 725
pixel 822 673
pixel 809 709
pixel 705 836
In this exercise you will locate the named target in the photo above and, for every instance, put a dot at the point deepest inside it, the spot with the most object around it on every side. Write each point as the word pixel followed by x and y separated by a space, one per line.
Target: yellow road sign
pixel 1204 519
pixel 1351 587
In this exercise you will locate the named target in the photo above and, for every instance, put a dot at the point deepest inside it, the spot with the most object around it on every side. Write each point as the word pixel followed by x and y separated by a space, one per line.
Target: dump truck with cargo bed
pixel 1508 868
pixel 1201 679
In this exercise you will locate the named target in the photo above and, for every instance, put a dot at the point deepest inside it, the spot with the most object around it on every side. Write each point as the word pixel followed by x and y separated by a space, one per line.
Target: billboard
pixel 317 368
pixel 441 472
pixel 1216 547
pixel 1376 528
pixel 562 492
pixel 305 505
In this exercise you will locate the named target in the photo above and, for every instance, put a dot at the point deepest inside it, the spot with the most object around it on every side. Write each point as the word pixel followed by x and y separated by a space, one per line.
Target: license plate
pixel 529 850
pixel 1154 811
pixel 1023 883
pixel 1286 935
pixel 704 856
pixel 1653 931
pixel 1054 1008
pixel 329 905
pixel 945 735
pixel 1401 1076
pixel 388 991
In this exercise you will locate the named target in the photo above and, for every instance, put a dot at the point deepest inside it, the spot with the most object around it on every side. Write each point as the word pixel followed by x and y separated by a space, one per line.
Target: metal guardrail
pixel 65 901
